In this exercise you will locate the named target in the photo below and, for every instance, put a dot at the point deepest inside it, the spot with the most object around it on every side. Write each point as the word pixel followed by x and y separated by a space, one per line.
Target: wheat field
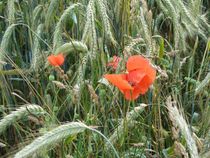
pixel 67 85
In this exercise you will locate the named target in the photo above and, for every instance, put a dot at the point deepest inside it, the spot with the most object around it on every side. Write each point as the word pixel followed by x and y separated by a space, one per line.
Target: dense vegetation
pixel 72 111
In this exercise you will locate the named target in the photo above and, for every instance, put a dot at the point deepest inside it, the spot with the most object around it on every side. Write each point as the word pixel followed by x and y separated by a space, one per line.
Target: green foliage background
pixel 72 111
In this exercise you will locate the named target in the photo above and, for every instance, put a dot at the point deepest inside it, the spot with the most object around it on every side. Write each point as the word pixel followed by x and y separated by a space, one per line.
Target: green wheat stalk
pixel 172 12
pixel 36 56
pixel 21 112
pixel 51 138
pixel 179 121
pixel 146 32
pixel 89 30
pixel 71 47
pixel 51 11
pixel 5 43
pixel 105 19
pixel 57 38
pixel 88 23
pixel 203 84
pixel 129 121
pixel 36 15
pixel 11 11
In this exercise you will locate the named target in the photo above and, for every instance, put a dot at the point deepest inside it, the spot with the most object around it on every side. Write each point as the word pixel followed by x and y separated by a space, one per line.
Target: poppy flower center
pixel 132 83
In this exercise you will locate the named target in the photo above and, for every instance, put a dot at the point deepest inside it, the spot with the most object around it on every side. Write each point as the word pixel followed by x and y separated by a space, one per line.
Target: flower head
pixel 115 62
pixel 56 60
pixel 138 79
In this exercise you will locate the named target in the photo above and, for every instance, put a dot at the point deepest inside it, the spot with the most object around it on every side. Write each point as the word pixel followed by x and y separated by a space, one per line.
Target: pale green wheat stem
pixel 80 75
pixel 190 18
pixel 5 43
pixel 173 14
pixel 93 37
pixel 134 6
pixel 21 24
pixel 81 69
pixel 205 154
pixel 186 26
pixel 11 11
pixel 158 22
pixel 146 32
pixel 89 32
pixel 51 11
pixel 179 121
pixel 55 136
pixel 118 8
pixel 71 47
pixel 162 7
pixel 203 84
pixel 108 141
pixel 37 56
pixel 187 13
pixel 182 42
pixel 57 39
pixel 36 15
pixel 191 3
pixel 128 122
pixel 205 24
pixel 89 14
pixel 51 138
pixel 197 6
pixel 105 19
pixel 2 145
pixel 204 57
pixel 21 112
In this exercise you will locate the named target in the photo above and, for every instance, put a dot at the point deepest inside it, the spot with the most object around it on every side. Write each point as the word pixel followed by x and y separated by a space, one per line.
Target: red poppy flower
pixel 115 62
pixel 138 79
pixel 56 60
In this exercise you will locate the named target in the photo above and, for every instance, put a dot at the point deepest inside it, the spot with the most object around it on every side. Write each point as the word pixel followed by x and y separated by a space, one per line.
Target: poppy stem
pixel 150 117
pixel 192 111
pixel 133 104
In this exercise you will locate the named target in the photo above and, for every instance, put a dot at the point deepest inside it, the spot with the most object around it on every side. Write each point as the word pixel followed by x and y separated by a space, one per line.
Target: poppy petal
pixel 119 80
pixel 115 62
pixel 151 72
pixel 60 59
pixel 52 60
pixel 135 76
pixel 131 95
pixel 143 86
pixel 116 58
pixel 137 62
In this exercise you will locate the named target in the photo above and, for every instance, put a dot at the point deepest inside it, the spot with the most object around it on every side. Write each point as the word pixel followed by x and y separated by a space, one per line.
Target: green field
pixel 104 78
